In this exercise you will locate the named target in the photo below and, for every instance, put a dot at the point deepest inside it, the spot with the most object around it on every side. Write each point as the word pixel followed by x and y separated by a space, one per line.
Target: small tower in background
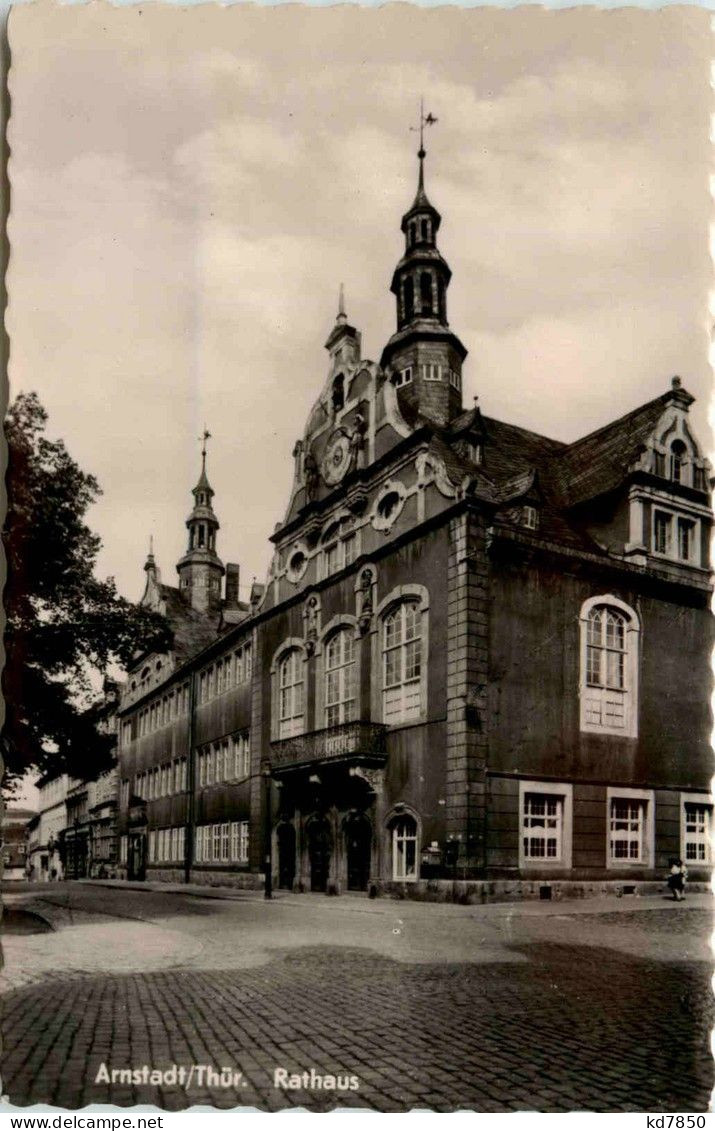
pixel 343 345
pixel 424 357
pixel 200 569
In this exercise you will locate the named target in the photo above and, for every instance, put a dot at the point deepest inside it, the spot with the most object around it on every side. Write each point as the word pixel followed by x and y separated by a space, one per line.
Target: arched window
pixel 426 292
pixel 338 393
pixel 340 701
pixel 425 229
pixel 402 663
pixel 291 698
pixel 609 664
pixel 409 292
pixel 404 849
pixel 678 451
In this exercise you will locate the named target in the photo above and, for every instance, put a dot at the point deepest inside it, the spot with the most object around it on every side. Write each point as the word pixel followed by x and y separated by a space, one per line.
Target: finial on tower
pixel 151 545
pixel 342 316
pixel 206 436
pixel 425 120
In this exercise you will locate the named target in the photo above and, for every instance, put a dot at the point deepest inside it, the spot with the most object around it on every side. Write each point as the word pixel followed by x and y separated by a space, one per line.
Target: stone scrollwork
pixel 375 778
pixel 430 469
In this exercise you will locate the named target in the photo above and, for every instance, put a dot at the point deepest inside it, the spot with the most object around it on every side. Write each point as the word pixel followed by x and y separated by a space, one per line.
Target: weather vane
pixel 206 436
pixel 425 120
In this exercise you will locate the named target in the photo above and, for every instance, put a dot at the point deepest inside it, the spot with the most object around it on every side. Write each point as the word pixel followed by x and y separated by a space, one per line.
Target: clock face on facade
pixel 336 460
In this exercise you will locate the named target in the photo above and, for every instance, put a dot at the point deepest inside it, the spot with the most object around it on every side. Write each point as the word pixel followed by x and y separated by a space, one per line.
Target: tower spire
pixel 200 569
pixel 424 356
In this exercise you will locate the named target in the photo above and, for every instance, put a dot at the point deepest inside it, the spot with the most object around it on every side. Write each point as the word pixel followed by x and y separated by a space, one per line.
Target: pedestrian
pixel 676 879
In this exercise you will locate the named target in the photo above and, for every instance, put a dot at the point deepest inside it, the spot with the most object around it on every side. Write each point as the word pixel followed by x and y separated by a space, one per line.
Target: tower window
pixel 455 379
pixel 191 538
pixel 432 372
pixel 426 292
pixel 425 229
pixel 338 393
pixel 202 534
pixel 403 377
pixel 409 297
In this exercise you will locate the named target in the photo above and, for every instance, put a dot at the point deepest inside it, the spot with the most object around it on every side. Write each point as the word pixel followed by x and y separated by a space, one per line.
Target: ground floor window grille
pixel 404 849
pixel 697 833
pixel 543 826
pixel 627 828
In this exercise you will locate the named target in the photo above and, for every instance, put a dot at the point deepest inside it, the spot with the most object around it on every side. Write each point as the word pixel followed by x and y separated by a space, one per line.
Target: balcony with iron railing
pixel 356 741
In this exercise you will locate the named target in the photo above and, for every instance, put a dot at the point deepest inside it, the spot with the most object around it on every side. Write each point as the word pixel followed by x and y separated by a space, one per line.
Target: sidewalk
pixel 358 902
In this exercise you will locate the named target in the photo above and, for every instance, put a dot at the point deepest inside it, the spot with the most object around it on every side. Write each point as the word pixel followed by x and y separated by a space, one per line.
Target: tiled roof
pixel 192 630
pixel 597 463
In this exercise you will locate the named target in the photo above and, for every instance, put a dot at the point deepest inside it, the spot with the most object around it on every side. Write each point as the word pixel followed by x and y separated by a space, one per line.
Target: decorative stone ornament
pixel 337 459
pixel 311 615
pixel 388 505
pixel 365 601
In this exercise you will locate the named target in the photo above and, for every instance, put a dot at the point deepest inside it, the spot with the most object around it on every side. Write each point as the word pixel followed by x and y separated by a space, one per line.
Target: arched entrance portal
pixel 358 843
pixel 319 850
pixel 286 856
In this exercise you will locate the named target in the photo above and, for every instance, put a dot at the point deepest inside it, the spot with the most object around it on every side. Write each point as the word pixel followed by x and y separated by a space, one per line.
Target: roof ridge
pixel 618 421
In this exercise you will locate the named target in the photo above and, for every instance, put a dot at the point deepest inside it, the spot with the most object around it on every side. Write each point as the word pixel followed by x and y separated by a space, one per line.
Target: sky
pixel 190 186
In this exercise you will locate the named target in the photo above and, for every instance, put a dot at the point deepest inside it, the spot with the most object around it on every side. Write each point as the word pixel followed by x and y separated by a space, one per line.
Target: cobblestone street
pixel 536 1019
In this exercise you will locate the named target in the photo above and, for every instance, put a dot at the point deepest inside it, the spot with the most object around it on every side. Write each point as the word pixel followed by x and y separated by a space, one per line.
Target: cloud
pixel 190 187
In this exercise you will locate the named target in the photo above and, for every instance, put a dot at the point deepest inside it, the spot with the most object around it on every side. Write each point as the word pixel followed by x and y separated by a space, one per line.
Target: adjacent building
pixel 480 655
pixel 44 855
pixel 14 841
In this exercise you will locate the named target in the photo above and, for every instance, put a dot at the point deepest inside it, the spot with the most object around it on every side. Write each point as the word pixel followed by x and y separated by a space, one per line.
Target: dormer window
pixel 474 451
pixel 659 464
pixel 530 518
pixel 676 537
pixel 699 479
pixel 678 452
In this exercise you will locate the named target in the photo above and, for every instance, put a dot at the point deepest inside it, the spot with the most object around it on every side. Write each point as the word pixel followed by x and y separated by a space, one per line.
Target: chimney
pixel 232 576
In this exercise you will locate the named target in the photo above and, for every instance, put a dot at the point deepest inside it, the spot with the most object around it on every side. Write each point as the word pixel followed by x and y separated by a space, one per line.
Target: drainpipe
pixel 267 854
pixel 190 783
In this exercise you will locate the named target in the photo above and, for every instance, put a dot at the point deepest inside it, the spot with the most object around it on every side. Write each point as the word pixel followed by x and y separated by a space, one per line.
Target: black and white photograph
pixel 358 639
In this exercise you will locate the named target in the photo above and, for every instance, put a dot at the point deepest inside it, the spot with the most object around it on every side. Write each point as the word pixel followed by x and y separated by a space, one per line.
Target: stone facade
pixel 463 675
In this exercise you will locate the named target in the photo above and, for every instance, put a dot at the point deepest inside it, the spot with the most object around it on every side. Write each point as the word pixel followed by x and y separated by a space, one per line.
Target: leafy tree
pixel 64 626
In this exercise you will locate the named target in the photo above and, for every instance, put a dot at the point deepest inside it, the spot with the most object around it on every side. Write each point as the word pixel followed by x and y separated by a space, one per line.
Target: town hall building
pixel 480 661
